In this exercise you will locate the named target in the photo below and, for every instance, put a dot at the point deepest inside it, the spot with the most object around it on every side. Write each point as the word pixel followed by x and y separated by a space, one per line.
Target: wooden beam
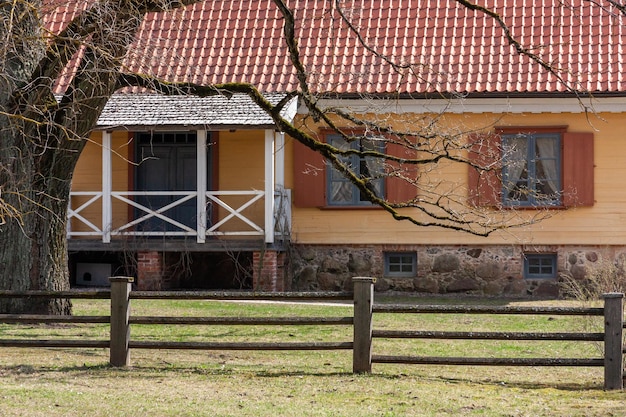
pixel 269 186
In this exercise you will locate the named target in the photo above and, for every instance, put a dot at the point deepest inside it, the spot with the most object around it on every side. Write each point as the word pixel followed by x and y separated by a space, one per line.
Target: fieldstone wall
pixel 481 270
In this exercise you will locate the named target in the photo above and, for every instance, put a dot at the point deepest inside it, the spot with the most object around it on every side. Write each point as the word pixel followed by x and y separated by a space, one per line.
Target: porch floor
pixel 170 245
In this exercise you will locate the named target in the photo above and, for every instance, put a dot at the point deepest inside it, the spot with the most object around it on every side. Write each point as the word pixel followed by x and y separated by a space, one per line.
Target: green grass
pixel 78 382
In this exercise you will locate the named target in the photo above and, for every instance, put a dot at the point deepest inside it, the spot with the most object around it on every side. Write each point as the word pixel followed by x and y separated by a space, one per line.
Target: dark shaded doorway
pixel 167 162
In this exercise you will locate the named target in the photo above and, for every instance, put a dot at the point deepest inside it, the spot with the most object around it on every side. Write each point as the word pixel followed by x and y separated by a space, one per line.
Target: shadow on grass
pixel 104 370
pixel 526 385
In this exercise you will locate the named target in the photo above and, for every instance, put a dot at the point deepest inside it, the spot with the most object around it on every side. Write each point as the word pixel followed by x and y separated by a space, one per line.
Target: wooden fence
pixel 364 336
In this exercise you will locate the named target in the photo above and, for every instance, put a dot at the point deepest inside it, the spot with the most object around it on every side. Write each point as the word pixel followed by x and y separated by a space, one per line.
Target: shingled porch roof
pixel 437 46
pixel 146 110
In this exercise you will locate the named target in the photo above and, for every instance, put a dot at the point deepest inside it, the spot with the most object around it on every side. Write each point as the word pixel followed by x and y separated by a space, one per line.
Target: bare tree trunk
pixel 42 138
pixel 33 246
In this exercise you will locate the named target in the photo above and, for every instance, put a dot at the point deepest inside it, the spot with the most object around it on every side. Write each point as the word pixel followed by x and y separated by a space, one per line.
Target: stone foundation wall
pixel 481 270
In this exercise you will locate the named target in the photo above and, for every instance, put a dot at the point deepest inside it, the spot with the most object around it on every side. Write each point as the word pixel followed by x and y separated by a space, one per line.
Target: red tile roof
pixel 444 47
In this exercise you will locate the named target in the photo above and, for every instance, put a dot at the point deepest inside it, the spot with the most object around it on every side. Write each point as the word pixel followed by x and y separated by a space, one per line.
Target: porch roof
pixel 212 113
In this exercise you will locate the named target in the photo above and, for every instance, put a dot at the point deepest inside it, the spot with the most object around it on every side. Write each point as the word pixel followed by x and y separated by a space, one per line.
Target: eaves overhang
pixel 479 104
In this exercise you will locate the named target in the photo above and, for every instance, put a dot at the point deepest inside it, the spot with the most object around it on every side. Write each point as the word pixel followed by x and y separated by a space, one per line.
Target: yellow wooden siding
pixel 241 168
pixel 88 177
pixel 604 223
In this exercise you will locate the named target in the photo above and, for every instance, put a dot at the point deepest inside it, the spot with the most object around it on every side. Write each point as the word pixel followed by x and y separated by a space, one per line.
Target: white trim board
pixel 480 105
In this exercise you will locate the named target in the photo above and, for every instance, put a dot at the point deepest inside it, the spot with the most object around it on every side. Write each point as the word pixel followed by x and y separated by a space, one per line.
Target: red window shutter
pixel 578 181
pixel 485 185
pixel 398 190
pixel 309 174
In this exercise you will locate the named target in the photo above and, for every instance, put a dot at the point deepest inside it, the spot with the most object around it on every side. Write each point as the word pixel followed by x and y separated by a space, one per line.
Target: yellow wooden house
pixel 208 193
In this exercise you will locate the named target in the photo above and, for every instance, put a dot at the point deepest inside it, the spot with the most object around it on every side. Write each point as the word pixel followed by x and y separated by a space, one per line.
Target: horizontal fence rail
pixel 425 360
pixel 34 319
pixel 245 321
pixel 441 309
pixel 73 294
pixel 242 345
pixel 241 295
pixel 185 295
pixel 364 336
pixel 427 334
pixel 55 343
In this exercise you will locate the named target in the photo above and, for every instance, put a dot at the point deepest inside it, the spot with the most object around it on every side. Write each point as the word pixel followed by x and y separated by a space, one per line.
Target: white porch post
pixel 201 173
pixel 269 186
pixel 280 161
pixel 282 215
pixel 107 187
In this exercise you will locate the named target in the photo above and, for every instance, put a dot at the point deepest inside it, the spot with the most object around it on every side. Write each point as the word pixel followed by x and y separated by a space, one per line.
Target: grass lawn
pixel 78 382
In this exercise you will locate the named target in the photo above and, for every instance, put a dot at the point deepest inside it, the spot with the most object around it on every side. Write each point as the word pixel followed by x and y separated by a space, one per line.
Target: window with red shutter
pixel 532 167
pixel 313 179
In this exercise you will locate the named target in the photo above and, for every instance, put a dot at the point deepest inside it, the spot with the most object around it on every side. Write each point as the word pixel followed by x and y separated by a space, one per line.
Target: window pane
pixel 546 167
pixel 341 192
pixel 338 143
pixel 515 157
pixel 400 264
pixel 531 169
pixel 378 190
pixel 540 266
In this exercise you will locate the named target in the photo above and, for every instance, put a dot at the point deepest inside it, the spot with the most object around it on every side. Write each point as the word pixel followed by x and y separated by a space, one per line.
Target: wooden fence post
pixel 613 350
pixel 363 302
pixel 119 354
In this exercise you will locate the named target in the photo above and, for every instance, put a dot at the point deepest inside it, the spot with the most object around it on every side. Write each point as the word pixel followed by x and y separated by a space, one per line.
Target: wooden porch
pixel 110 220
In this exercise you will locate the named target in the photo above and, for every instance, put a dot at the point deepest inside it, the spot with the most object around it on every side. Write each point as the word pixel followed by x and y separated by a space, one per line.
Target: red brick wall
pixel 149 271
pixel 268 271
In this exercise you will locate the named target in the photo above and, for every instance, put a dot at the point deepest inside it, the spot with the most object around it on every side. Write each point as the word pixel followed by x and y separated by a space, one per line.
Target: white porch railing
pixel 233 220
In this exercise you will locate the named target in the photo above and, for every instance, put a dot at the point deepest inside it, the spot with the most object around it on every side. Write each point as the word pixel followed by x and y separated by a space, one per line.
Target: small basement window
pixel 400 264
pixel 539 265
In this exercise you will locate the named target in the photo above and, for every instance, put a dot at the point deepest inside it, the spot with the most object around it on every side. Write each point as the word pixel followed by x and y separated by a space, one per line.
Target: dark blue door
pixel 166 162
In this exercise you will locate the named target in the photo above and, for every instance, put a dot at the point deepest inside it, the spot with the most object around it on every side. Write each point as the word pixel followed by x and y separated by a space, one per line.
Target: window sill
pixel 369 207
pixel 400 276
pixel 514 207
pixel 539 278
